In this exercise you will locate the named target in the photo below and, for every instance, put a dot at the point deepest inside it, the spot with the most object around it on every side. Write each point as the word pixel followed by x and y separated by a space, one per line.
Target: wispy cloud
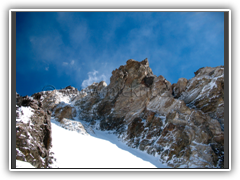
pixel 93 77
pixel 47 47
pixel 69 63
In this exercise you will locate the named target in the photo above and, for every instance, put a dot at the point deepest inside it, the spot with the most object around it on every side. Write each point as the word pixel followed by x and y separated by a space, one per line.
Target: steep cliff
pixel 33 132
pixel 205 92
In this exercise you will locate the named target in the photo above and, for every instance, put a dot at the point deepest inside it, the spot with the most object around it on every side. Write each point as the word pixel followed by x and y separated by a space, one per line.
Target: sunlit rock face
pixel 205 92
pixel 179 124
pixel 158 123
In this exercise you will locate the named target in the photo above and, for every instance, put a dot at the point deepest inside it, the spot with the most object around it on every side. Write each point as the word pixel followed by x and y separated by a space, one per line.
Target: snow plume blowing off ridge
pixel 93 77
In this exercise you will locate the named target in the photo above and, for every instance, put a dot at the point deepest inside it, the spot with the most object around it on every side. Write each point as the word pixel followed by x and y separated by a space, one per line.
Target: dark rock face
pixel 37 96
pixel 65 112
pixel 135 128
pixel 111 123
pixel 147 81
pixel 33 133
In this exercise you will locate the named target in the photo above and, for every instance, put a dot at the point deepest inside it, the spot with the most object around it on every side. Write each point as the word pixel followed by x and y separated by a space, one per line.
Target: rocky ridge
pixel 33 132
pixel 181 124
pixel 205 92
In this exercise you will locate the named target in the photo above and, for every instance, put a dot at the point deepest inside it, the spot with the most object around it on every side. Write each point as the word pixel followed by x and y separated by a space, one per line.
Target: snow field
pixel 23 164
pixel 74 150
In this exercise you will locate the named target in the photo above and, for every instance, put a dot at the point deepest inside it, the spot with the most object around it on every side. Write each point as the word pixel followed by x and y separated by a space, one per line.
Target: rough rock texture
pixel 205 92
pixel 64 112
pixel 179 124
pixel 72 125
pixel 142 109
pixel 179 87
pixel 87 99
pixel 33 133
pixel 50 99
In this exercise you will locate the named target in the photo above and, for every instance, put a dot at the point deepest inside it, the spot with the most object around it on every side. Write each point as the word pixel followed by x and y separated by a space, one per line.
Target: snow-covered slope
pixel 98 149
pixel 23 164
pixel 75 144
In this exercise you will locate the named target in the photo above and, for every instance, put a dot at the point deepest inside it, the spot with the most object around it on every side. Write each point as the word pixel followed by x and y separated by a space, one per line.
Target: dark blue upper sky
pixel 79 48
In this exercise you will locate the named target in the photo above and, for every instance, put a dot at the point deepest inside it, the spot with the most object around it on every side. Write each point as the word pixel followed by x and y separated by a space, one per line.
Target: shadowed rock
pixel 33 139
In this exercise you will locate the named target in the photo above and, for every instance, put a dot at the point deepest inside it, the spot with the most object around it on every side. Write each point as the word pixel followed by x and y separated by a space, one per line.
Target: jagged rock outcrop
pixel 33 132
pixel 205 92
pixel 179 87
pixel 72 125
pixel 145 112
pixel 178 124
pixel 69 90
pixel 64 112
pixel 50 99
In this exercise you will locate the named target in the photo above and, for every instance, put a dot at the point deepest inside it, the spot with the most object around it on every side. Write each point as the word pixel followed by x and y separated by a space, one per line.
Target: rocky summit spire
pixel 145 62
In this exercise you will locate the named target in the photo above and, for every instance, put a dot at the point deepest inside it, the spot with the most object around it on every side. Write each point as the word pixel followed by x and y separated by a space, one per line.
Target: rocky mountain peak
pixel 210 71
pixel 180 124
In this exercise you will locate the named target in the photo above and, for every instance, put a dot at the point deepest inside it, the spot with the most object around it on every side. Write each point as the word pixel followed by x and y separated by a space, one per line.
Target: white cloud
pixel 93 77
pixel 46 68
pixel 67 63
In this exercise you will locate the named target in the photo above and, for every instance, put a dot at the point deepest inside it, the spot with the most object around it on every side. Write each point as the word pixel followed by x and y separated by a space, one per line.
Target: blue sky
pixel 79 48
